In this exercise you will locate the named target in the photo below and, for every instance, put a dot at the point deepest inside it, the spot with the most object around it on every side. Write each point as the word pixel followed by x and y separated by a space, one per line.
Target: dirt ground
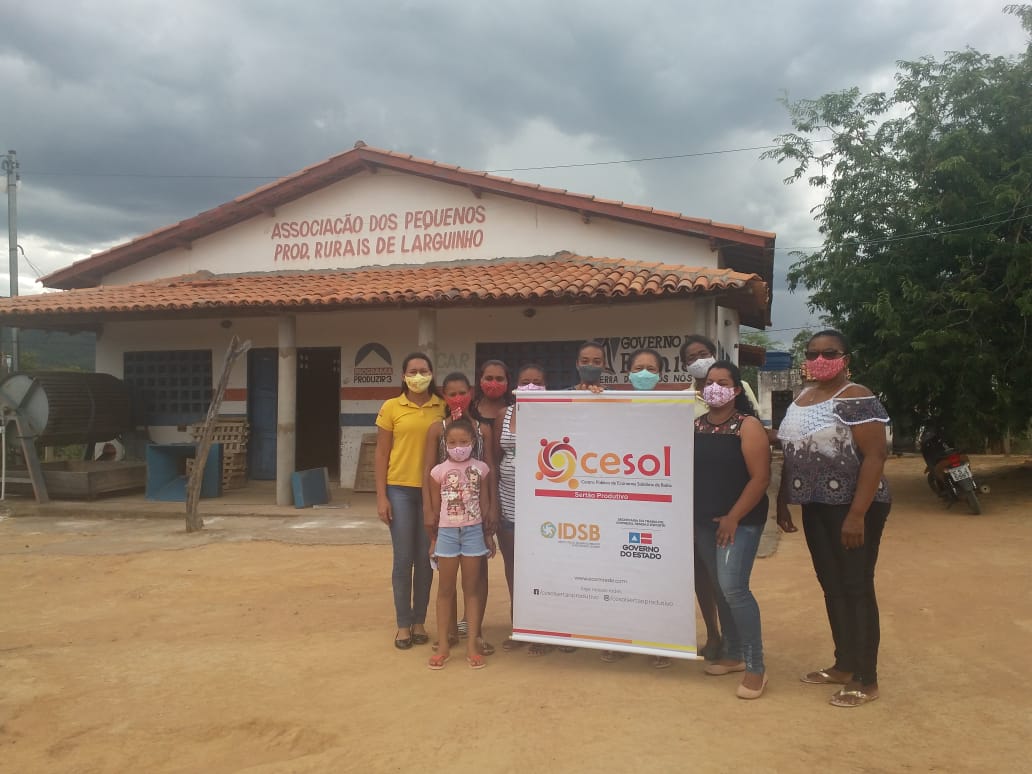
pixel 246 650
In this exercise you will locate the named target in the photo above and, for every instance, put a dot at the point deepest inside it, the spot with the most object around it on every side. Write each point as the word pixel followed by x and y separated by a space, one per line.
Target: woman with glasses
pixel 833 437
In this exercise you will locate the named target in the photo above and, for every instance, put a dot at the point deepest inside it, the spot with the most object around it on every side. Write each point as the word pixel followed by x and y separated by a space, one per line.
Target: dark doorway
pixel 558 358
pixel 780 400
pixel 318 409
pixel 262 389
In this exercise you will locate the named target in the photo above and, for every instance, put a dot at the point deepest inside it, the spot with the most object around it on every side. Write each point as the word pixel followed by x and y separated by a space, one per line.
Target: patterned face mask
pixel 494 389
pixel 823 369
pixel 418 383
pixel 717 395
pixel 460 453
pixel 458 404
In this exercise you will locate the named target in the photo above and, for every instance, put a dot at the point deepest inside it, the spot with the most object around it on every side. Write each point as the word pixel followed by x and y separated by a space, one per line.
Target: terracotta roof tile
pixel 502 281
pixel 90 270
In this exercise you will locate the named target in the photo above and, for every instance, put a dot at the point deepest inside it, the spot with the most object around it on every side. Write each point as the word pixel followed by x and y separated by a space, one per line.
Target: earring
pixel 803 373
pixel 849 374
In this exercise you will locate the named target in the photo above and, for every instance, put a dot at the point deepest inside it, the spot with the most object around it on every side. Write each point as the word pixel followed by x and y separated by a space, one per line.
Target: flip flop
pixel 660 662
pixel 476 662
pixel 853 698
pixel 820 677
pixel 567 649
pixel 485 647
pixel 437 662
pixel 511 644
pixel 539 649
pixel 610 656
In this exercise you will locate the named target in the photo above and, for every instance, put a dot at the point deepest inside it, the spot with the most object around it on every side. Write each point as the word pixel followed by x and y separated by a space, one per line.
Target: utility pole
pixel 10 166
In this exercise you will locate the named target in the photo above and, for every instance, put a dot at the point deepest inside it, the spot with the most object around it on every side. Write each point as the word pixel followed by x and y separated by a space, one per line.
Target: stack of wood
pixel 232 433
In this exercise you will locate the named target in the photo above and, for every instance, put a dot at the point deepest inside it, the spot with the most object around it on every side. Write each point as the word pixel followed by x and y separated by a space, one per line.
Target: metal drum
pixel 69 407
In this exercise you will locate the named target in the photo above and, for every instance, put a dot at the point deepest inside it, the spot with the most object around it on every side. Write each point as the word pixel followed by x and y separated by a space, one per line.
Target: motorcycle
pixel 948 472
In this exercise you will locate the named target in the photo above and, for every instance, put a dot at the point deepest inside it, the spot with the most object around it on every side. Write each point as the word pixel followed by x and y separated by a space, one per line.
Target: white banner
pixel 604 535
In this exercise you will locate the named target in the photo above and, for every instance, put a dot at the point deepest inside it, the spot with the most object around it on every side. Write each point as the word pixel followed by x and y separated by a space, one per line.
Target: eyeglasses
pixel 827 354
pixel 690 358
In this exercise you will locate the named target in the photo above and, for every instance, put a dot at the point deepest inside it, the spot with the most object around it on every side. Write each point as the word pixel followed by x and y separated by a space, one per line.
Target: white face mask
pixel 701 367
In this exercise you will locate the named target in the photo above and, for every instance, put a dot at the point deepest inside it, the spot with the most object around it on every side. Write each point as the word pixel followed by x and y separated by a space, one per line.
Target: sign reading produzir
pixel 408 232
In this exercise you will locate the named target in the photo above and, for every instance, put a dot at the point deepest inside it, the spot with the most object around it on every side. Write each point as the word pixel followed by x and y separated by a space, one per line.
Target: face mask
pixel 531 387
pixel 494 389
pixel 589 374
pixel 418 383
pixel 458 404
pixel 717 395
pixel 824 370
pixel 644 380
pixel 460 453
pixel 701 367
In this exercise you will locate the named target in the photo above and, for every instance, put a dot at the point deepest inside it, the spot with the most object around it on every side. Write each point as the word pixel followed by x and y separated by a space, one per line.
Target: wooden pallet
pixel 233 434
pixel 365 474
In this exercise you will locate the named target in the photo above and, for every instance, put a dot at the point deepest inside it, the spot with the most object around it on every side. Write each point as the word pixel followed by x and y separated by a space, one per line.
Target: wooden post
pixel 193 485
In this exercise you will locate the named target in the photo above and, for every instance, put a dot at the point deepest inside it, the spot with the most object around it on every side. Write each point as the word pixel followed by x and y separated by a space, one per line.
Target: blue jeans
pixel 730 568
pixel 412 575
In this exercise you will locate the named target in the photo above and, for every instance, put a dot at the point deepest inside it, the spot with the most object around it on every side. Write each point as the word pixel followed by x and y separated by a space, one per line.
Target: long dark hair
pixel 742 403
pixel 432 389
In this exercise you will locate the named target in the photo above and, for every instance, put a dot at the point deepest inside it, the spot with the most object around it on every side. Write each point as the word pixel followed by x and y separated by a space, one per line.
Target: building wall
pixel 383 218
pixel 367 379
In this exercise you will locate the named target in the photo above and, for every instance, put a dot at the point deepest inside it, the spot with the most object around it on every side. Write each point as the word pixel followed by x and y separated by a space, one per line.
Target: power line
pixel 571 165
pixel 928 233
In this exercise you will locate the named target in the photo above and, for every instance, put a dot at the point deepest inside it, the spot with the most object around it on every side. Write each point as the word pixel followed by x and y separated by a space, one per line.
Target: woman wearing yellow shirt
pixel 402 425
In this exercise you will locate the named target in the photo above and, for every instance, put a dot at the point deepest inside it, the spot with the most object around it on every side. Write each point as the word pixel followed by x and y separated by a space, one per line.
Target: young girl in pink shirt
pixel 458 496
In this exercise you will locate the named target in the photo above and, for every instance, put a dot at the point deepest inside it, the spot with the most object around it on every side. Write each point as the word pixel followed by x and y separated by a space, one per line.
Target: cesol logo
pixel 559 462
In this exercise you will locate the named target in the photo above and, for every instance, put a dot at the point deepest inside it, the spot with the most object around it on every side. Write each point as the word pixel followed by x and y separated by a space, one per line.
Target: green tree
pixel 757 339
pixel 799 342
pixel 926 264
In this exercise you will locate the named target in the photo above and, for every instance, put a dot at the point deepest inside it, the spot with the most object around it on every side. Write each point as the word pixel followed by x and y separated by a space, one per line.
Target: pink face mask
pixel 823 369
pixel 717 395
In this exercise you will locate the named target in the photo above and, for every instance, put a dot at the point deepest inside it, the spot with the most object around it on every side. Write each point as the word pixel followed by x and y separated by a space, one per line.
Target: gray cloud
pixel 171 95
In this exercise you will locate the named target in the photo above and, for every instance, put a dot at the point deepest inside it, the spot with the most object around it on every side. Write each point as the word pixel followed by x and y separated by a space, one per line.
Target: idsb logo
pixel 588 532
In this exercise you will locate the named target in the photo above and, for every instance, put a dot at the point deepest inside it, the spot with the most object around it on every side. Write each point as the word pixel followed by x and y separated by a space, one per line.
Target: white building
pixel 337 272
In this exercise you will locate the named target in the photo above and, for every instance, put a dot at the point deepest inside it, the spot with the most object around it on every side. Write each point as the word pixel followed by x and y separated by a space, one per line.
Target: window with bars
pixel 172 387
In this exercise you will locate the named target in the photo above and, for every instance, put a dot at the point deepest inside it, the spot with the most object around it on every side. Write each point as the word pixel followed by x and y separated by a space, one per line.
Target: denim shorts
pixel 461 541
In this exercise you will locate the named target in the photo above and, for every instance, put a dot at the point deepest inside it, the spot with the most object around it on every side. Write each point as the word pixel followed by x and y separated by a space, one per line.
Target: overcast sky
pixel 128 115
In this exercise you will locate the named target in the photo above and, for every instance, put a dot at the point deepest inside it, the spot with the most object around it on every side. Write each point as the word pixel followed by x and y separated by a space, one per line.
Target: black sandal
pixel 403 643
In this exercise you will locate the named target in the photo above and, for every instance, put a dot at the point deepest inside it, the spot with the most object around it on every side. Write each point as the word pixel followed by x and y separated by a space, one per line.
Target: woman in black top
pixel 732 470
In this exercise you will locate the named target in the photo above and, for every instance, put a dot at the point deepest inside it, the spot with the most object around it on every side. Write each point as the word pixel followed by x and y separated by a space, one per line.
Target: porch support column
pixel 286 409
pixel 705 318
pixel 426 338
